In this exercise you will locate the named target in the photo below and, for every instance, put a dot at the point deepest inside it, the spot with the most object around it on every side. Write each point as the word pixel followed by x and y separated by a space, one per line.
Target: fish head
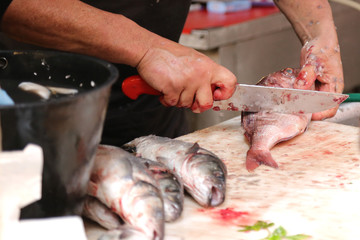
pixel 173 196
pixel 143 208
pixel 284 78
pixel 208 175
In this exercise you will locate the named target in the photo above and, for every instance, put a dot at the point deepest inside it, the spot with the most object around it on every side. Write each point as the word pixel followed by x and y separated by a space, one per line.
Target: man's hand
pixel 186 78
pixel 321 61
pixel 320 54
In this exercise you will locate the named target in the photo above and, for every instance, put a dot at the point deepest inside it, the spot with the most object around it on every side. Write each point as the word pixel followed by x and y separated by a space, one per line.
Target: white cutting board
pixel 315 191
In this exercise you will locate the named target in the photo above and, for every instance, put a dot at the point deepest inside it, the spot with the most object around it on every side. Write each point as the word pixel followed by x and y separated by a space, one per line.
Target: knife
pixel 255 98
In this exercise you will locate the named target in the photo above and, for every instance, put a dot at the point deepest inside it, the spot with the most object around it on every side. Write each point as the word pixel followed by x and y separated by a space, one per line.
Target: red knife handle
pixel 134 86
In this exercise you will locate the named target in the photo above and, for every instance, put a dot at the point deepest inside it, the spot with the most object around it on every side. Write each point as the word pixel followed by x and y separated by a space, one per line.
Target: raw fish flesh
pixel 265 129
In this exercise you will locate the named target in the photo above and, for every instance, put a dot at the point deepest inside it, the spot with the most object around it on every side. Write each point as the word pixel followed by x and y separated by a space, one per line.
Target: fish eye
pixel 289 70
pixel 218 173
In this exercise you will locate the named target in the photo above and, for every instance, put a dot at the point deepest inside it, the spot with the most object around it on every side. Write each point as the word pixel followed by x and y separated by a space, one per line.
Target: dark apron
pixel 127 119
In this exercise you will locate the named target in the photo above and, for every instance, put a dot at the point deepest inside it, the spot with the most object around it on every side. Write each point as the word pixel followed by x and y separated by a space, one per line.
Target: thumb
pixel 306 77
pixel 325 114
pixel 224 85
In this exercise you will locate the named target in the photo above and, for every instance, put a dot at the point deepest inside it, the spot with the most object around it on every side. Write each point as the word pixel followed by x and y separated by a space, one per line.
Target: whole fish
pixel 171 188
pixel 122 183
pixel 265 129
pixel 201 171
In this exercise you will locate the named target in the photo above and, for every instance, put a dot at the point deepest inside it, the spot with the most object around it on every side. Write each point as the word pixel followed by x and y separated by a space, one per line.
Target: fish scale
pixel 123 185
pixel 202 172
pixel 171 188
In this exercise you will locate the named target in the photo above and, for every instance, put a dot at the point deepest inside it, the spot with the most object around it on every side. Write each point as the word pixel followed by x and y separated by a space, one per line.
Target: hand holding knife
pixel 254 98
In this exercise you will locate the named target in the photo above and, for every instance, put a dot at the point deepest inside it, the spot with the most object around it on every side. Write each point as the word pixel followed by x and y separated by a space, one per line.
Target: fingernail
pixel 195 108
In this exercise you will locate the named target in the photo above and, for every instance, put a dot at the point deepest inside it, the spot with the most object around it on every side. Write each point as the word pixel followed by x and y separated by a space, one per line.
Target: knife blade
pixel 255 98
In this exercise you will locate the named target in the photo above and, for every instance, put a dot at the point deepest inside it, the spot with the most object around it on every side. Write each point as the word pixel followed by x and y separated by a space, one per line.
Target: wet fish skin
pixel 265 129
pixel 45 91
pixel 124 233
pixel 171 188
pixel 122 183
pixel 98 212
pixel 35 88
pixel 201 171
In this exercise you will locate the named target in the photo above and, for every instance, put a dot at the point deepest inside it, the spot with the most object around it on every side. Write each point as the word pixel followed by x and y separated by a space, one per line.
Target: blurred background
pixel 253 39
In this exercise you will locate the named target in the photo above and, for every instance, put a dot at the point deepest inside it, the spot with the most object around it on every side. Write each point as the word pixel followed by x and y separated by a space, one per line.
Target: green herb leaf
pixel 273 238
pixel 280 232
pixel 259 225
pixel 298 237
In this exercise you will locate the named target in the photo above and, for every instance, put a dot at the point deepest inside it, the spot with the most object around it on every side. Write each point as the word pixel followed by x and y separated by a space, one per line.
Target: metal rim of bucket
pixel 113 75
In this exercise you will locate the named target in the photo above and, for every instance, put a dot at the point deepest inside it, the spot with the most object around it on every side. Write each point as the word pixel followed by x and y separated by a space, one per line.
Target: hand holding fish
pixel 320 55
pixel 321 61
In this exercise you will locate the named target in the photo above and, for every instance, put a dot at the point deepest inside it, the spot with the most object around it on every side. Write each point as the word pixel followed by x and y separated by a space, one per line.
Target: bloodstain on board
pixel 228 216
pixel 327 152
pixel 323 138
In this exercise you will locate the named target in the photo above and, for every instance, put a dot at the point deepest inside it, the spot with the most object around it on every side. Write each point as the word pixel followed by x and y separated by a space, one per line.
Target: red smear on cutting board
pixel 228 216
pixel 327 152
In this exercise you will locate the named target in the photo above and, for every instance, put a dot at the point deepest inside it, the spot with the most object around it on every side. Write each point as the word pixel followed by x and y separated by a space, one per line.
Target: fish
pixel 96 211
pixel 35 88
pixel 127 233
pixel 265 129
pixel 201 171
pixel 171 188
pixel 60 90
pixel 45 92
pixel 123 185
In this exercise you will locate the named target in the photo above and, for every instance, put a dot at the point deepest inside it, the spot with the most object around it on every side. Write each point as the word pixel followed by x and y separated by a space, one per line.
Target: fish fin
pixel 194 148
pixel 92 188
pixel 256 157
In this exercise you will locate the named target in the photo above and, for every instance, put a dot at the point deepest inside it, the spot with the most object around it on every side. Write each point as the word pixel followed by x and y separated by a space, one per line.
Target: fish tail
pixel 256 157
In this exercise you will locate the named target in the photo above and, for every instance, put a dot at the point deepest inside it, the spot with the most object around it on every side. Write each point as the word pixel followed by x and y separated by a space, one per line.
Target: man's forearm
pixel 310 18
pixel 72 25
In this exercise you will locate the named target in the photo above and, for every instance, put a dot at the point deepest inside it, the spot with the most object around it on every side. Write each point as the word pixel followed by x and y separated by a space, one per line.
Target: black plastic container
pixel 68 128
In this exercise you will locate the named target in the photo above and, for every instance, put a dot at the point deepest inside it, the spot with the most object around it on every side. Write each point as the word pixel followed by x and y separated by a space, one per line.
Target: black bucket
pixel 68 128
